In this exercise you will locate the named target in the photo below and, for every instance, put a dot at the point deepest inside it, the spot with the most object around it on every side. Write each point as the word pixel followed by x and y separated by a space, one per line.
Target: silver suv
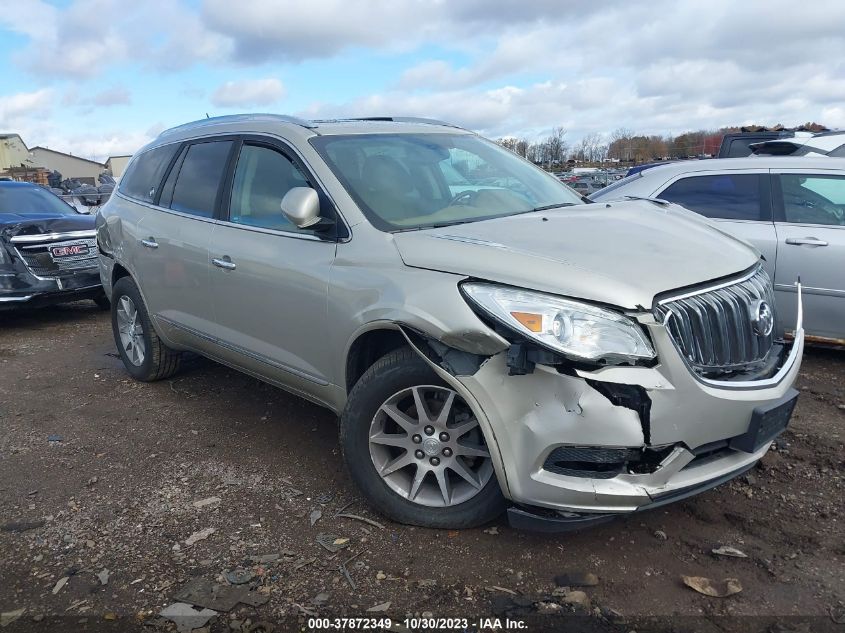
pixel 488 339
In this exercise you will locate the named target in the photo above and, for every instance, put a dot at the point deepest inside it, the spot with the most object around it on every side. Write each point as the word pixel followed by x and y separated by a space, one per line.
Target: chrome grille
pixel 715 329
pixel 41 263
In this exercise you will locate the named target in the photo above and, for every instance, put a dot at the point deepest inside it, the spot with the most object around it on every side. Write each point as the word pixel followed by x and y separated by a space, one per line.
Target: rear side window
pixel 143 176
pixel 811 199
pixel 724 196
pixel 199 179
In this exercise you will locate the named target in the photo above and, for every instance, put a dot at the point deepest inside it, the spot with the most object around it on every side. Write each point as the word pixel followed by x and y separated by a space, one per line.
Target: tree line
pixel 624 145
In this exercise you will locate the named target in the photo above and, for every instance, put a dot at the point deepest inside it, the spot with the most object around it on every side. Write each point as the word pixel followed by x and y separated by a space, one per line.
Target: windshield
pixel 32 201
pixel 411 181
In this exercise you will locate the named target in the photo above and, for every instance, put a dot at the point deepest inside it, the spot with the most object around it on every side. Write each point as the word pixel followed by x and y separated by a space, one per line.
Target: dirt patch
pixel 113 469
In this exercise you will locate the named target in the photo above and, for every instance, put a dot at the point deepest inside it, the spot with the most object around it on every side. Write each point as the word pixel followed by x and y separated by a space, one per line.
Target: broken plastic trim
pixel 537 519
pixel 631 397
pixel 454 361
pixel 541 520
pixel 604 463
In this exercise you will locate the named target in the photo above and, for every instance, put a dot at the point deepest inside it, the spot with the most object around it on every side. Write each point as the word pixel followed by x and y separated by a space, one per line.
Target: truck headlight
pixel 574 329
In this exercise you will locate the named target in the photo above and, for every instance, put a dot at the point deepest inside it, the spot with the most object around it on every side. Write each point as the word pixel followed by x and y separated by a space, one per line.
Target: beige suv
pixel 487 337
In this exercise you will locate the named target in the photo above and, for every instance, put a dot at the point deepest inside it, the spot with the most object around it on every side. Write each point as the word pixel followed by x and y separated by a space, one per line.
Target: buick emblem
pixel 431 446
pixel 762 318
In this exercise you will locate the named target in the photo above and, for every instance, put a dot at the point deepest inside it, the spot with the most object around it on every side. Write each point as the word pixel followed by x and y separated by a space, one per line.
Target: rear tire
pixel 457 486
pixel 143 353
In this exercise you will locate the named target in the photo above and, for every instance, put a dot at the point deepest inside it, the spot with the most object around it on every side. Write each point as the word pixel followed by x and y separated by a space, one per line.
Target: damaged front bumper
pixel 25 290
pixel 578 447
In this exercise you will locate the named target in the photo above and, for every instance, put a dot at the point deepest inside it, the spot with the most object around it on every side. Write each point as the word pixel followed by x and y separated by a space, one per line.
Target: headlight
pixel 574 329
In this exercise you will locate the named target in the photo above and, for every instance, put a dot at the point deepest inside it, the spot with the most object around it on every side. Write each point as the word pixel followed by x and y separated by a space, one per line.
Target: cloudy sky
pixel 101 77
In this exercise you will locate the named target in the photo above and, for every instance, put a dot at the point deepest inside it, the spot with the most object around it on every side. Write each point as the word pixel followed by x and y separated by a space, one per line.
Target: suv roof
pixel 821 144
pixel 361 125
pixel 298 130
pixel 764 162
pixel 738 144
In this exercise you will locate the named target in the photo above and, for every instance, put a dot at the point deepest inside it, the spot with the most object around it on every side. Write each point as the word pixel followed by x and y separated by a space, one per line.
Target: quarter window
pixel 199 178
pixel 144 175
pixel 262 178
pixel 723 196
pixel 812 199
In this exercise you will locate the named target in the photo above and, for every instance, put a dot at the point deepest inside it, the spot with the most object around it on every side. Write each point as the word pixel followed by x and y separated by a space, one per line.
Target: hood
pixel 622 253
pixel 12 224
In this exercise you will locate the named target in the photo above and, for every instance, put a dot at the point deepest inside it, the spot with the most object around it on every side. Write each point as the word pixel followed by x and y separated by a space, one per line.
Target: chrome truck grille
pixel 57 257
pixel 723 329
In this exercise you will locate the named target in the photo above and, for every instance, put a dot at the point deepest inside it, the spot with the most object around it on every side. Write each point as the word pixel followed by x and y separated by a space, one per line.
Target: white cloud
pixel 501 66
pixel 119 95
pixel 261 30
pixel 87 36
pixel 265 29
pixel 90 142
pixel 248 92
pixel 23 105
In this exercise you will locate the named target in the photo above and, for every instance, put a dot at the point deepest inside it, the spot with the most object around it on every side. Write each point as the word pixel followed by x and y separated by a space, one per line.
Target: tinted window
pixel 839 152
pixel 144 174
pixel 813 199
pixel 199 178
pixel 32 200
pixel 726 196
pixel 262 178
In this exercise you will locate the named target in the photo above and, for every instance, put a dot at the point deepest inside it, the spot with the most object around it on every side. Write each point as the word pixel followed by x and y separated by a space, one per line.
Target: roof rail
pixel 411 119
pixel 396 119
pixel 235 118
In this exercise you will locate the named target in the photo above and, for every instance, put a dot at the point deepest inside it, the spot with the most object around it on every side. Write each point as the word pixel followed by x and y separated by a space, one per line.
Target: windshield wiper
pixel 658 201
pixel 438 225
pixel 553 206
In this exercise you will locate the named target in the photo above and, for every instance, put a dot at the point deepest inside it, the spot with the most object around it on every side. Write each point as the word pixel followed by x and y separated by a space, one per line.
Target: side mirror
pixel 301 205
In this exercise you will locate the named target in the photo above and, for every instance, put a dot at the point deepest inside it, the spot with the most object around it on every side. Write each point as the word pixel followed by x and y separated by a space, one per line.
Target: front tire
pixel 415 448
pixel 143 353
pixel 102 302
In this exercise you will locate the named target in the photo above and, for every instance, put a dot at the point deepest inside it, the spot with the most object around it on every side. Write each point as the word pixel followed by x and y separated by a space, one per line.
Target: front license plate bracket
pixel 767 422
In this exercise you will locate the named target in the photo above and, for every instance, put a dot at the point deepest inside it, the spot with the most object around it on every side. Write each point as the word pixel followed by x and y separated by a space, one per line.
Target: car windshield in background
pixel 32 201
pixel 411 181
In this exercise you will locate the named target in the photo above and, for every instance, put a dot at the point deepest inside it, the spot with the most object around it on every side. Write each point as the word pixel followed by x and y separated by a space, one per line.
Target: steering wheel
pixel 464 198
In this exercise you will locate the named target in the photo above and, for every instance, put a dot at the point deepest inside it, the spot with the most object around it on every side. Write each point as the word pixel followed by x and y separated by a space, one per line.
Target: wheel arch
pixel 389 335
pixel 117 273
pixel 367 347
pixel 483 420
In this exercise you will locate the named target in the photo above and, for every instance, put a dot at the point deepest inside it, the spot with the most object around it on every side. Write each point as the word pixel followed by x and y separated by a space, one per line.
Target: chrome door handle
pixel 805 241
pixel 150 243
pixel 226 263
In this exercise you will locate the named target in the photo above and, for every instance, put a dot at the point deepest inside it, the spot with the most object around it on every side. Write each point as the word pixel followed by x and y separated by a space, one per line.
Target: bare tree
pixel 621 144
pixel 590 146
pixel 508 142
pixel 555 146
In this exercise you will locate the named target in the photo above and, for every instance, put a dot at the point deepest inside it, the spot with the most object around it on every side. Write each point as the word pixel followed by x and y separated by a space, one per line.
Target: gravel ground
pixel 98 472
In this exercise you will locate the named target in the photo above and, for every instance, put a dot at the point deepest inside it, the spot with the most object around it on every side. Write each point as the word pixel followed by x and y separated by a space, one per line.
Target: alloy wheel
pixel 427 446
pixel 131 331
